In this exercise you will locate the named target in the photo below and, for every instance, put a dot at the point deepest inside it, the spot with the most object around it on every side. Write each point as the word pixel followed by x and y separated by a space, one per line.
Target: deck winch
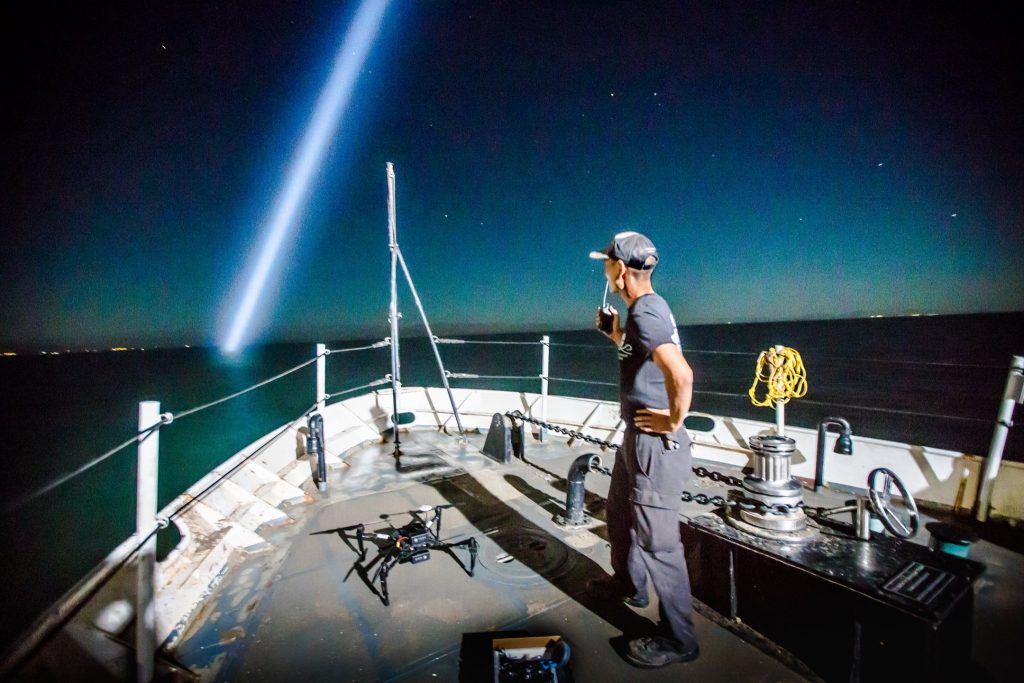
pixel 781 515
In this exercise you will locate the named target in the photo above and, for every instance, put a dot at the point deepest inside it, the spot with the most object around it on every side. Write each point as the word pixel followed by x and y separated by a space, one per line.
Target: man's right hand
pixel 607 321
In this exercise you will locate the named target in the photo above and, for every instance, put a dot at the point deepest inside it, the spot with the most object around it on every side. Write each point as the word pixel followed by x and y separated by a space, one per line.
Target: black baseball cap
pixel 632 248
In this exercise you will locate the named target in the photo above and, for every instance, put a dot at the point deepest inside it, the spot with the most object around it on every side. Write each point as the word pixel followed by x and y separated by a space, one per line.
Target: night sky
pixel 791 161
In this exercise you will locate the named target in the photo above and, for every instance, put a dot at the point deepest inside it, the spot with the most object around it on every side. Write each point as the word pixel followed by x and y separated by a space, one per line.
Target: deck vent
pixel 920 583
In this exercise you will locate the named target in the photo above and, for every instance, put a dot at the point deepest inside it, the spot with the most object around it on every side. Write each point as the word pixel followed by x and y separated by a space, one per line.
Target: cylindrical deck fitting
pixel 771 459
pixel 862 521
pixel 315 446
pixel 771 483
pixel 576 493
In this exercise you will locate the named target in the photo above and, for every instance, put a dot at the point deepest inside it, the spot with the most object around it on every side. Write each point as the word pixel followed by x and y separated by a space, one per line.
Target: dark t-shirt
pixel 641 382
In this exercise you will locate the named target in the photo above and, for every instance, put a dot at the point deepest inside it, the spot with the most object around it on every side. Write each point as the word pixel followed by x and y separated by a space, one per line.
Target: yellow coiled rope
pixel 782 373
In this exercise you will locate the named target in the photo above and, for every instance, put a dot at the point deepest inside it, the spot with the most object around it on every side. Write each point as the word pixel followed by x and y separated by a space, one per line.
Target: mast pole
pixel 398 259
pixel 396 379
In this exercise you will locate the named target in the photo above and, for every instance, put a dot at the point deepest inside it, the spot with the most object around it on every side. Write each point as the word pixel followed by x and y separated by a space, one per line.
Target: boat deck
pixel 302 610
pixel 299 608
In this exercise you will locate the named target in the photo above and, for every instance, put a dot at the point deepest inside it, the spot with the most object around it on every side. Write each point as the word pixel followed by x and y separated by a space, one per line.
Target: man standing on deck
pixel 654 461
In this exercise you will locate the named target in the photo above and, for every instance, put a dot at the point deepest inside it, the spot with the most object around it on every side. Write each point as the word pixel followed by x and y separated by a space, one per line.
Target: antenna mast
pixel 396 260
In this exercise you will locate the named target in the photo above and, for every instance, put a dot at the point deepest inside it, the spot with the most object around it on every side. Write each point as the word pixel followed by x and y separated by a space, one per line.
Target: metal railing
pixel 147 524
pixel 151 422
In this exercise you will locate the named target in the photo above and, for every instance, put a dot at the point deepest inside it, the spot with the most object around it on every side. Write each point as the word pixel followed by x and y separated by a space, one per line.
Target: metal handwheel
pixel 879 495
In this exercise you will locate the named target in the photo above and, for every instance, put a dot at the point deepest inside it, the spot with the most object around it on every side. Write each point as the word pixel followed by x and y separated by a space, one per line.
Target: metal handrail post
pixel 321 377
pixel 545 367
pixel 145 522
pixel 1012 395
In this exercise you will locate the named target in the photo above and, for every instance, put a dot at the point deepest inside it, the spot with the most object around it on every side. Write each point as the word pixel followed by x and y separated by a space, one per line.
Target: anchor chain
pixel 741 501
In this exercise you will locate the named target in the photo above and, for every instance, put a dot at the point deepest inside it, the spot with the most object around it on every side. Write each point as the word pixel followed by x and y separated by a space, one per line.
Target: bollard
pixel 575 494
pixel 498 445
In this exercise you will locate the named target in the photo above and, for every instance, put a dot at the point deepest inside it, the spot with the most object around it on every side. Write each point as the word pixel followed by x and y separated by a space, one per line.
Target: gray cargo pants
pixel 643 524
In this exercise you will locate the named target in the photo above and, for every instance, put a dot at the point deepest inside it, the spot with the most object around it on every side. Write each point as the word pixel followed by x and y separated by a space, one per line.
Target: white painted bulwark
pixel 229 517
pixel 220 523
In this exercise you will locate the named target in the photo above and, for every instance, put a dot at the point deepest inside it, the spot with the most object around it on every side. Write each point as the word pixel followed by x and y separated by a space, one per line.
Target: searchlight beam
pixel 329 109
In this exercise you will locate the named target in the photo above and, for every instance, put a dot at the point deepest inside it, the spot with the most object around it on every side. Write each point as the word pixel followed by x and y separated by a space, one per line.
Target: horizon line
pixel 8 349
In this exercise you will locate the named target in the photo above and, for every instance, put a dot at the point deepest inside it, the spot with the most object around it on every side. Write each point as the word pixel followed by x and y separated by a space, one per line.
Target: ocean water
pixel 936 381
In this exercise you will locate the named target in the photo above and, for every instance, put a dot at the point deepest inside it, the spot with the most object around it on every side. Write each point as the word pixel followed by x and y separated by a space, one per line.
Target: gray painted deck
pixel 302 613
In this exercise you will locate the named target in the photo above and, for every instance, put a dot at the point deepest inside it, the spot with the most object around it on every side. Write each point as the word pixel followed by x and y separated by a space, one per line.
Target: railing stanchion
pixel 145 522
pixel 545 366
pixel 990 469
pixel 321 377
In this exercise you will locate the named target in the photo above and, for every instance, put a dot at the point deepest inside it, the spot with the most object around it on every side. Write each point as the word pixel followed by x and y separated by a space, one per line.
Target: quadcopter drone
pixel 410 544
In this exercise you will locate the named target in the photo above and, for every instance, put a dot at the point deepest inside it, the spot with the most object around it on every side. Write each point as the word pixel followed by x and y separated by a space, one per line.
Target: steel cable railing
pixel 830 359
pixel 376 345
pixel 868 361
pixel 168 417
pixel 440 340
pixel 21 501
pixel 235 395
pixel 113 565
pixel 469 375
pixel 582 346
pixel 368 385
pixel 163 522
pixel 833 404
pixel 144 537
pixel 912 363
pixel 583 381
pixel 234 468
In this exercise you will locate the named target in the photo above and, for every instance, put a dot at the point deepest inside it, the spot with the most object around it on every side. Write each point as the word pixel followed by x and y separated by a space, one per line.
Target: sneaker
pixel 652 652
pixel 611 589
pixel 637 602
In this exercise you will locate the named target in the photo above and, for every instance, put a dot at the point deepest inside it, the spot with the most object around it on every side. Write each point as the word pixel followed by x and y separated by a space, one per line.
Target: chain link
pixel 740 501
